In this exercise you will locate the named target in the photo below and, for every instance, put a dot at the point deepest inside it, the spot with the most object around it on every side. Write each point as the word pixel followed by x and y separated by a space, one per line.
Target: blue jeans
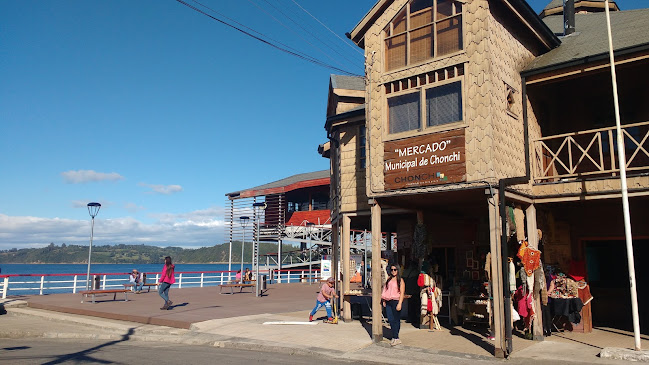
pixel 137 286
pixel 326 304
pixel 163 290
pixel 394 317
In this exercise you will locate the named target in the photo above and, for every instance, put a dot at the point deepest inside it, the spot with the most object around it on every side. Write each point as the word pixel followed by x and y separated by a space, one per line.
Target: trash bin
pixel 96 281
pixel 261 283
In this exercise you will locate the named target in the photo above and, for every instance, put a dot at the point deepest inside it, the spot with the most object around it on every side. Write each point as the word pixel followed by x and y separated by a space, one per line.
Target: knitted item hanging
pixel 418 244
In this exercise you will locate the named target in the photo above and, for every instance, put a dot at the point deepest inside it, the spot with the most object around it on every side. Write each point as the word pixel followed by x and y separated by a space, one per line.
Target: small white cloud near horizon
pixel 85 176
pixel 162 189
pixel 199 228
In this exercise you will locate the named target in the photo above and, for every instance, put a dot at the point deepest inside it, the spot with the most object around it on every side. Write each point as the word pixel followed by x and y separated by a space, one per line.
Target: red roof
pixel 313 216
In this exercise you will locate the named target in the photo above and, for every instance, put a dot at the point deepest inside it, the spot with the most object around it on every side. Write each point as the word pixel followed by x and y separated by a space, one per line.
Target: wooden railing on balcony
pixel 591 153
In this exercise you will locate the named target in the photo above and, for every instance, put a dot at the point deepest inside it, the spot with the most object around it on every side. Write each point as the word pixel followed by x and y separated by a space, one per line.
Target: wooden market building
pixel 482 124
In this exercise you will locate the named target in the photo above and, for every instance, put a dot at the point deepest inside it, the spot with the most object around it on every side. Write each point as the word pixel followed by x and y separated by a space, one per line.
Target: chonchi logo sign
pixel 425 160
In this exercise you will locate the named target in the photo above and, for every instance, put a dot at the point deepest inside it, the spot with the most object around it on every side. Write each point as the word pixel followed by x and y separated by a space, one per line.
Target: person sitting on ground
pixel 247 275
pixel 326 293
pixel 136 278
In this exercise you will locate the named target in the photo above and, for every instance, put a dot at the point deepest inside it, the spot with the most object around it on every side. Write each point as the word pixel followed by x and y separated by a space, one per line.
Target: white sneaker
pixel 396 342
pixel 392 342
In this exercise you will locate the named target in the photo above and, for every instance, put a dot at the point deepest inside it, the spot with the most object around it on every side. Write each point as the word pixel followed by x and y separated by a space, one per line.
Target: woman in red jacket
pixel 167 277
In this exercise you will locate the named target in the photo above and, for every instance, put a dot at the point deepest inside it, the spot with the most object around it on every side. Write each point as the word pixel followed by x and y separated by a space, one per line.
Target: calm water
pixel 108 268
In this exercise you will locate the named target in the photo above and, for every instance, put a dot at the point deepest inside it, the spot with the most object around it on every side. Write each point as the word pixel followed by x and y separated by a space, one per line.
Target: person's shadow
pixel 177 305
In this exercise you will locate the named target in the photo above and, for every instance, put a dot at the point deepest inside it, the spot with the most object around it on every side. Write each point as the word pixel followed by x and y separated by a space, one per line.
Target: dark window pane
pixel 421 44
pixel 444 104
pixel 421 13
pixel 399 23
pixel 444 8
pixel 403 113
pixel 449 36
pixel 395 52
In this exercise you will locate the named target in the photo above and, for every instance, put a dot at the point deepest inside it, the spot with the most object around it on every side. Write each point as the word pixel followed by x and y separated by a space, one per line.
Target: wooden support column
pixel 533 242
pixel 377 309
pixel 335 245
pixel 496 277
pixel 344 255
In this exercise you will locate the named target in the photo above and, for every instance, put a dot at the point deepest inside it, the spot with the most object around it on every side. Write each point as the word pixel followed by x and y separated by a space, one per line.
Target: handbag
pixel 421 281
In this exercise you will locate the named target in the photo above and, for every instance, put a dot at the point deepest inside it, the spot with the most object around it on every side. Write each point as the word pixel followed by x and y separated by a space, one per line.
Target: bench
pixel 232 286
pixel 85 293
pixel 148 286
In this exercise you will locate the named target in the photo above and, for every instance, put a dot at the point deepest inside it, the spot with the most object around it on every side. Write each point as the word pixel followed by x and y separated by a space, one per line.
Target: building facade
pixel 483 125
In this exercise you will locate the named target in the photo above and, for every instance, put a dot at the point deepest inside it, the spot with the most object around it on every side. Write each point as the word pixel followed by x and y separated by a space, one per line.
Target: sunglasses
pixel 394 269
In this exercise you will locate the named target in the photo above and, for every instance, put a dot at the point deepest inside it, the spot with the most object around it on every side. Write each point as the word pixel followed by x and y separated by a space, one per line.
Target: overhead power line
pixel 334 33
pixel 270 42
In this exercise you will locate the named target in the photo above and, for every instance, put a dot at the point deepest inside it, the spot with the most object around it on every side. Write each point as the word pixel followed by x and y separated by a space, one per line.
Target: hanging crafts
pixel 419 247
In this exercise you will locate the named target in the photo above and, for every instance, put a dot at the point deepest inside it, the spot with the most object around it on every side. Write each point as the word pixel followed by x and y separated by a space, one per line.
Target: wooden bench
pixel 232 286
pixel 148 286
pixel 85 293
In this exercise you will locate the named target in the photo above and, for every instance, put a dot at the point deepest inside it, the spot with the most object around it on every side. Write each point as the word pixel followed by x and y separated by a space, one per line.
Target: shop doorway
pixel 608 277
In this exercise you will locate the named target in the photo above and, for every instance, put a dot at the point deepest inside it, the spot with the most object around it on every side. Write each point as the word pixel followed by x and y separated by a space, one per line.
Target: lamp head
pixel 244 220
pixel 93 209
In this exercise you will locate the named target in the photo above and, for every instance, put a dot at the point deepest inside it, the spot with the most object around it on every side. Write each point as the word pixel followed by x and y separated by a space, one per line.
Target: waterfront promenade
pixel 202 316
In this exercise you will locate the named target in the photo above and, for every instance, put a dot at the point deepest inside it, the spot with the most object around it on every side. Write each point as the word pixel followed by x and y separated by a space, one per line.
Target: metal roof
pixel 279 185
pixel 348 82
pixel 559 3
pixel 630 30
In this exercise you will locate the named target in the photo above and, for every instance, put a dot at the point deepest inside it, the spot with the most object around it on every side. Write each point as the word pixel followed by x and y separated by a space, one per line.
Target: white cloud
pixel 133 208
pixel 191 229
pixel 84 176
pixel 162 189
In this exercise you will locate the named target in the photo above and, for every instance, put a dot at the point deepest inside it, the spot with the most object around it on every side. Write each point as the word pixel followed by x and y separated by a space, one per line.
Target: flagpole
pixel 625 195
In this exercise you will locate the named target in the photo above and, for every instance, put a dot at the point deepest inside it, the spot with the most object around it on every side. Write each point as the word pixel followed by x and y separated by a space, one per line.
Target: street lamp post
pixel 258 207
pixel 93 209
pixel 244 222
pixel 309 229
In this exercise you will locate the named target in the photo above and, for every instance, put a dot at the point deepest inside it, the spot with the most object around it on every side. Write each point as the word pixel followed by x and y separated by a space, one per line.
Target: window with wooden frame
pixel 427 107
pixel 424 29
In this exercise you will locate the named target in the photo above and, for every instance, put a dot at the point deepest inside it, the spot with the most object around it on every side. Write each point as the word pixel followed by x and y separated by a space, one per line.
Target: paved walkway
pixel 203 316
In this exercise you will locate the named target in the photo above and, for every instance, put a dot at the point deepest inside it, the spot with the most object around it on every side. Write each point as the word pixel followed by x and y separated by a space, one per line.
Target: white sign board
pixel 325 271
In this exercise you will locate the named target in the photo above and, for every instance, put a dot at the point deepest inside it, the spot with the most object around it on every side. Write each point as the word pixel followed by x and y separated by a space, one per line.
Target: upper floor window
pixel 423 30
pixel 441 105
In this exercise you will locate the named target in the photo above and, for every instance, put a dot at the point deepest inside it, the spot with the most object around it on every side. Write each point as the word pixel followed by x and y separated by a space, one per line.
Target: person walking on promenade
pixel 392 298
pixel 326 292
pixel 167 277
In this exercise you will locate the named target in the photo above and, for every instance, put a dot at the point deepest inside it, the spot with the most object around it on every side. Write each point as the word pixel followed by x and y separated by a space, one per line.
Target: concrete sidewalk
pixel 244 328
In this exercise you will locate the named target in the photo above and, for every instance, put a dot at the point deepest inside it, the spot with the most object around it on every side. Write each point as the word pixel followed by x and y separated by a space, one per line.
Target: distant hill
pixel 132 254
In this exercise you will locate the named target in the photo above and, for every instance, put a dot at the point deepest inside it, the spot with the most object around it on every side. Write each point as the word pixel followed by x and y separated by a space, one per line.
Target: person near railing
pixel 167 278
pixel 137 280
pixel 247 275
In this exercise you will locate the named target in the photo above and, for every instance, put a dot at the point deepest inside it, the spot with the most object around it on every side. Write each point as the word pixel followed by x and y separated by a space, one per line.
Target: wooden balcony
pixel 589 154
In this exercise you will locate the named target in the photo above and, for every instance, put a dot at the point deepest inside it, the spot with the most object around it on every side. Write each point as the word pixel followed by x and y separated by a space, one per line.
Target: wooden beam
pixel 496 278
pixel 347 313
pixel 377 321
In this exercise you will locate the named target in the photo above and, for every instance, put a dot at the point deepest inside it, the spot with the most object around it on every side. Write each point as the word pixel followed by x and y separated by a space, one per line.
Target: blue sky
pixel 157 111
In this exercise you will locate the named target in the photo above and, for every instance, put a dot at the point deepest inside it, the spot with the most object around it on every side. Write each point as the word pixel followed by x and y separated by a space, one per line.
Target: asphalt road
pixel 58 351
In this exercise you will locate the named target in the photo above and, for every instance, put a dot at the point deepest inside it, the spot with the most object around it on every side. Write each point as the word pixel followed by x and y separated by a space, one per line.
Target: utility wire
pixel 305 30
pixel 282 48
pixel 334 33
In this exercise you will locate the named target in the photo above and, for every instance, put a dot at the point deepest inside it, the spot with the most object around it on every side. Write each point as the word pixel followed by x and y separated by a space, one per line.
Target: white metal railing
pixel 61 283
pixel 588 153
pixel 29 284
